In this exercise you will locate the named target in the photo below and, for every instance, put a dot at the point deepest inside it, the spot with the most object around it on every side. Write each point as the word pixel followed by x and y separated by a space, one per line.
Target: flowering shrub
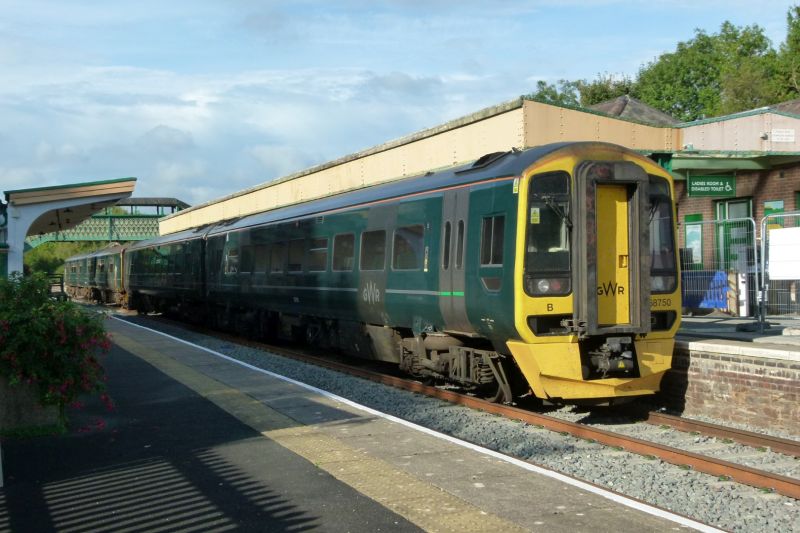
pixel 49 344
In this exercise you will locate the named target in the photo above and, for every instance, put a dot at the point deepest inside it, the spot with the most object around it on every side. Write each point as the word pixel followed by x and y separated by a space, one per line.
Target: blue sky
pixel 201 98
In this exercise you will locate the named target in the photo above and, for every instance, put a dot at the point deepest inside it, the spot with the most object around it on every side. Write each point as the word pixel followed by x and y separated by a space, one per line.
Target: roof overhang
pixel 70 204
pixel 683 164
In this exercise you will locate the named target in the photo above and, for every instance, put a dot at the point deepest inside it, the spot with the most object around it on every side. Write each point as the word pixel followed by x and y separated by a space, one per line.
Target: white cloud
pixel 200 99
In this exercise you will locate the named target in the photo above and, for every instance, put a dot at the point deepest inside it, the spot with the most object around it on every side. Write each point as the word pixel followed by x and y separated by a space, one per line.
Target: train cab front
pixel 597 303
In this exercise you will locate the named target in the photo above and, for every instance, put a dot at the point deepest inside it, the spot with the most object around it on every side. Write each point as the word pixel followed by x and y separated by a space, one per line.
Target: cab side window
pixel 492 230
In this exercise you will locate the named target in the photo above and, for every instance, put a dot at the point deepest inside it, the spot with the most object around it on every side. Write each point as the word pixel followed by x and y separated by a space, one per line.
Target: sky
pixel 198 99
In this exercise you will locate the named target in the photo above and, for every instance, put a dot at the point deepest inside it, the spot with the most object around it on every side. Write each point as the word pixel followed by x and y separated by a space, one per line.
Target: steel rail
pixel 749 438
pixel 725 469
pixel 784 485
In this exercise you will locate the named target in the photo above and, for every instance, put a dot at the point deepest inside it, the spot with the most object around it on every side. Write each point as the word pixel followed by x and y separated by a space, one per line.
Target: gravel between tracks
pixel 705 498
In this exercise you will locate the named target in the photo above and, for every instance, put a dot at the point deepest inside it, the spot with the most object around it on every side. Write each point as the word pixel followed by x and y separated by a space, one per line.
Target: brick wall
pixel 758 391
pixel 760 186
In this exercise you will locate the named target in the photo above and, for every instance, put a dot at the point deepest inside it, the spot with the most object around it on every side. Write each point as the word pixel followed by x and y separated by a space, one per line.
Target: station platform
pixel 199 441
pixel 784 332
pixel 779 338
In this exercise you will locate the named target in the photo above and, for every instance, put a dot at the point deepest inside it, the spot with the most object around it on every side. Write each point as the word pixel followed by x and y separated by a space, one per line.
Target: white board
pixel 784 253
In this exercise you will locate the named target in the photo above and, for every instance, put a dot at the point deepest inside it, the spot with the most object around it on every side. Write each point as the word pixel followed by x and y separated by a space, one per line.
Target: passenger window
pixel 460 245
pixel 343 252
pixel 373 250
pixel 296 252
pixel 318 255
pixel 492 241
pixel 408 247
pixel 278 257
pixel 446 246
pixel 247 259
pixel 231 261
pixel 261 258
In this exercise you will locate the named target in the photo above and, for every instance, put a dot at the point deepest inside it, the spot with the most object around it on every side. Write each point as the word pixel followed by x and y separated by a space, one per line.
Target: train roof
pixel 497 164
pixel 185 235
pixel 112 248
pixel 494 165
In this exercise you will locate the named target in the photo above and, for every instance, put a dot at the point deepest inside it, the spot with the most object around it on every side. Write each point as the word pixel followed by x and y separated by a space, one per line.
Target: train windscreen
pixel 662 243
pixel 547 257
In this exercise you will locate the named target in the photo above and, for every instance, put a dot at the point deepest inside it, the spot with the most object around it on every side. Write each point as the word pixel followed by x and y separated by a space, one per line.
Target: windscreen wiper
pixel 558 210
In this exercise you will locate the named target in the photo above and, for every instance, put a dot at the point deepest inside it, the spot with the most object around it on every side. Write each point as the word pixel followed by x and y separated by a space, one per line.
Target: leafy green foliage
pixel 712 74
pixel 49 257
pixel 561 93
pixel 789 57
pixel 684 83
pixel 605 87
pixel 49 344
pixel 582 92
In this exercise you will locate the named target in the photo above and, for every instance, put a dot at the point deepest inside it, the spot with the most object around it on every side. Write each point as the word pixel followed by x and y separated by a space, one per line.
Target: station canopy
pixel 41 210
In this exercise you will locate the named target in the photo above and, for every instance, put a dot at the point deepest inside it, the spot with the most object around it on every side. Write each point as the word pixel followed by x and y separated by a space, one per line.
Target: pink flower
pixel 108 402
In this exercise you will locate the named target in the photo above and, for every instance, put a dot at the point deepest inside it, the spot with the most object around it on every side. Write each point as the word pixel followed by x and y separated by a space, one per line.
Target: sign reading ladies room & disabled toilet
pixel 718 186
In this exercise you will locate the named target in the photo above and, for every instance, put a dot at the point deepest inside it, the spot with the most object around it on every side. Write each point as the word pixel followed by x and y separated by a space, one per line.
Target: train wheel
pixel 498 390
pixel 493 392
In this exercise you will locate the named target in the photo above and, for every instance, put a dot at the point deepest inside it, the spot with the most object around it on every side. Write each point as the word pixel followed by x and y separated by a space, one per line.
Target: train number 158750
pixel 660 302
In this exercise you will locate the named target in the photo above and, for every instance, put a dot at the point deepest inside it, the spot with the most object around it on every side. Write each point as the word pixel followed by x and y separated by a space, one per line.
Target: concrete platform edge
pixel 731 347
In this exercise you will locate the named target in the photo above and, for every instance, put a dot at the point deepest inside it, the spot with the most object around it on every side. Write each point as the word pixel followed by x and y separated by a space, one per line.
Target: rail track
pixel 785 485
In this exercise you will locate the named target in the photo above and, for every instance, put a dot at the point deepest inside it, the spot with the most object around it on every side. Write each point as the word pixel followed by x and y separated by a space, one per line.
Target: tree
pixel 734 70
pixel 561 93
pixel 710 75
pixel 582 92
pixel 49 257
pixel 605 87
pixel 789 57
pixel 748 68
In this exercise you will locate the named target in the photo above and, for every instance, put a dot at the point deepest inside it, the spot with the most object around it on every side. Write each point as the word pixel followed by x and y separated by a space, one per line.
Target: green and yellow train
pixel 551 271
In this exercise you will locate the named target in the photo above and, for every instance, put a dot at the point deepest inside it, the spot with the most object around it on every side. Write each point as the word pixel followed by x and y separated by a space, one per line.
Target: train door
pixel 374 258
pixel 452 304
pixel 613 256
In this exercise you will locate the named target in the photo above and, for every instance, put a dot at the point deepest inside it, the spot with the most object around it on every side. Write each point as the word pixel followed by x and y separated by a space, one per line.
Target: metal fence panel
pixel 780 264
pixel 719 266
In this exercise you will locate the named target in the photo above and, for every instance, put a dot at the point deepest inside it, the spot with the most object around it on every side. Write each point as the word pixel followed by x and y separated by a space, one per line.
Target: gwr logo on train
pixel 371 294
pixel 610 289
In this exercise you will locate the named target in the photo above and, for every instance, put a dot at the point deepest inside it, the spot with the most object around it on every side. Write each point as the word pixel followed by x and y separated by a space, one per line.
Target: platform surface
pixel 199 442
pixel 776 338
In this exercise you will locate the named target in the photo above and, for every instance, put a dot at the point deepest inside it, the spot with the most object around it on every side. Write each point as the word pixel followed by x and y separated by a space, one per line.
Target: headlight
pixel 548 286
pixel 543 286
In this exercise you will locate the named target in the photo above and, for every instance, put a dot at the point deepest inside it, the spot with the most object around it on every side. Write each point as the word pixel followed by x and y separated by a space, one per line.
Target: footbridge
pixel 132 219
